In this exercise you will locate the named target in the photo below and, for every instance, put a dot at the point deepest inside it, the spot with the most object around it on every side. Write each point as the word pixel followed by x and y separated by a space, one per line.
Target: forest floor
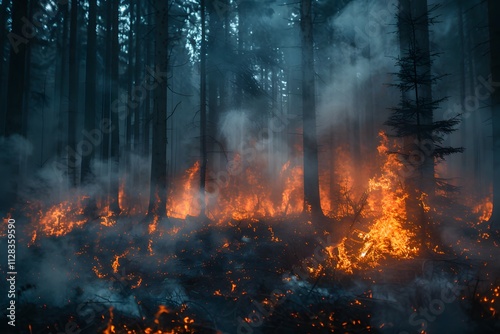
pixel 250 276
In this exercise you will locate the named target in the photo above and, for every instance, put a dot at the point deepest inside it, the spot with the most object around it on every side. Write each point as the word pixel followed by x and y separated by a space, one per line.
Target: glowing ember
pixel 116 262
pixel 60 219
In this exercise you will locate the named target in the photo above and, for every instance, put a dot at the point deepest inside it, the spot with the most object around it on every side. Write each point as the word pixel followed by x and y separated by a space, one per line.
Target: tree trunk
pixel 158 187
pixel 203 110
pixel 131 85
pixel 214 46
pixel 138 72
pixel 3 25
pixel 238 95
pixel 17 68
pixel 311 178
pixel 62 78
pixel 115 138
pixel 90 88
pixel 15 90
pixel 73 95
pixel 494 27
pixel 90 105
pixel 106 100
pixel 27 76
pixel 146 114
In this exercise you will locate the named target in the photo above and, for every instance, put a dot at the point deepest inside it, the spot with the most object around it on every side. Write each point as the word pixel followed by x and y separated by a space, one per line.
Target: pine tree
pixel 413 119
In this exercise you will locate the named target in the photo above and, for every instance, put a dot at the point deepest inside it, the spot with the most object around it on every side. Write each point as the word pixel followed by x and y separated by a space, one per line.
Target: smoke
pixel 235 128
pixel 14 151
pixel 55 273
pixel 351 91
pixel 360 63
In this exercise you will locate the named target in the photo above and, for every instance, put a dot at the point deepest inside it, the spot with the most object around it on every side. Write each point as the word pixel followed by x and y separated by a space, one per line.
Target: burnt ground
pixel 245 277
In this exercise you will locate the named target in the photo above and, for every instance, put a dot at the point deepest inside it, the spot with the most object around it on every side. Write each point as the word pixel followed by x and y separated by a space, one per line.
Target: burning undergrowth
pixel 257 265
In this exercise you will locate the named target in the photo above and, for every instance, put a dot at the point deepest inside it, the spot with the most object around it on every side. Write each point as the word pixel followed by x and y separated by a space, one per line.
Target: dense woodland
pixel 66 67
pixel 169 78
pixel 115 104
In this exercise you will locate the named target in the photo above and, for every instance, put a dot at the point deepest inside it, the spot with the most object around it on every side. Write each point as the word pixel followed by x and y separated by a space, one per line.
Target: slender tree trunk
pixel 63 81
pixel 73 94
pixel 90 104
pixel 128 180
pixel 17 68
pixel 90 88
pixel 241 51
pixel 27 76
pixel 158 188
pixel 115 137
pixel 3 39
pixel 15 90
pixel 106 99
pixel 146 115
pixel 311 178
pixel 138 72
pixel 494 27
pixel 203 110
pixel 135 182
pixel 463 79
pixel 131 84
pixel 334 186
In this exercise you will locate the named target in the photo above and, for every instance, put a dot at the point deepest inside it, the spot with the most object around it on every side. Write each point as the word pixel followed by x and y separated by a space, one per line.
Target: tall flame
pixel 388 234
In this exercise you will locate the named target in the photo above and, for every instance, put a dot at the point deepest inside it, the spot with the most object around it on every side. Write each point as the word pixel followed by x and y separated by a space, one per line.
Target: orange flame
pixel 387 235
pixel 484 209
pixel 182 201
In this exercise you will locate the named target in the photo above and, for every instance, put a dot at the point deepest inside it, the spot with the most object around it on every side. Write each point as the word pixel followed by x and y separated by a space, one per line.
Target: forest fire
pixel 374 229
pixel 249 196
pixel 378 229
pixel 250 167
